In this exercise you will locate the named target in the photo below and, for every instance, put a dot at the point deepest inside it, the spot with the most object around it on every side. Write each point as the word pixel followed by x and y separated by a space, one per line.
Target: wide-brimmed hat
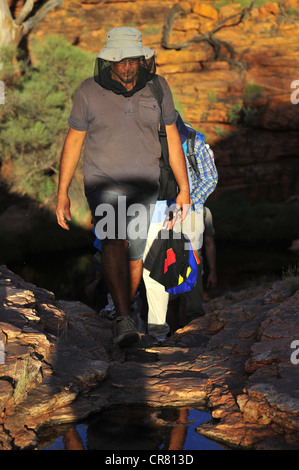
pixel 124 42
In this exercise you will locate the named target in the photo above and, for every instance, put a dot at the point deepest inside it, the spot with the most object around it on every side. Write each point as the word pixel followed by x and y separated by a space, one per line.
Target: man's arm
pixel 178 165
pixel 68 164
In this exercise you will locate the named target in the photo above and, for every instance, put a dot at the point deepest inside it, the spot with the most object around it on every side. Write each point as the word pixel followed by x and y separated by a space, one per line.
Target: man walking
pixel 117 117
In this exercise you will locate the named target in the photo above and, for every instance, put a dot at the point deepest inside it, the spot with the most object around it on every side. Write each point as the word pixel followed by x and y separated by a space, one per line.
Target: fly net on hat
pixel 124 43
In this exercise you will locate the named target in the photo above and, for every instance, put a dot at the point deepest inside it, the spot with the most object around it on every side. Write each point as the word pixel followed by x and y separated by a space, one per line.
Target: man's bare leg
pixel 117 274
pixel 135 276
pixel 122 279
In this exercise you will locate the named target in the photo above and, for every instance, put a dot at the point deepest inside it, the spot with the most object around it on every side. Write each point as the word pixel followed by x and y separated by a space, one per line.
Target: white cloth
pixel 157 297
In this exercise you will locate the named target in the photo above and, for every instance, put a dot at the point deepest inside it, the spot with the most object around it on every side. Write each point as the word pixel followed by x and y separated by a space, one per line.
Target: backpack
pixel 168 188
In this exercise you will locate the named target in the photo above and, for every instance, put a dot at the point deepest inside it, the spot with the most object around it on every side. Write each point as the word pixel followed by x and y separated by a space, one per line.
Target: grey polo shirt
pixel 122 146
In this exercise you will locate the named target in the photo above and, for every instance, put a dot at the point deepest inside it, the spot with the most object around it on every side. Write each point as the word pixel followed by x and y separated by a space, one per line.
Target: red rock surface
pixel 239 361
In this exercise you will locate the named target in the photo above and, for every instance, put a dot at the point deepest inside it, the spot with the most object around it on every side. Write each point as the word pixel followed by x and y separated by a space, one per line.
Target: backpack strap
pixel 157 91
pixel 191 151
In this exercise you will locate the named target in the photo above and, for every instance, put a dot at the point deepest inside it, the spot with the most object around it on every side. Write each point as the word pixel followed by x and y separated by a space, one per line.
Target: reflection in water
pixel 133 428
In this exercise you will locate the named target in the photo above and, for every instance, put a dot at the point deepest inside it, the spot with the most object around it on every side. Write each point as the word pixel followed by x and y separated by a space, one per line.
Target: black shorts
pixel 119 217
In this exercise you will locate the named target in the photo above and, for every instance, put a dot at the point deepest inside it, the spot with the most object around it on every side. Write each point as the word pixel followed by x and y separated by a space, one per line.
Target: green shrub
pixel 291 277
pixel 234 113
pixel 38 99
pixel 240 114
pixel 252 90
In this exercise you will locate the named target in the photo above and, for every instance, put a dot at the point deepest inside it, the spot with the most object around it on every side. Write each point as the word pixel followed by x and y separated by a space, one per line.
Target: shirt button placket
pixel 129 106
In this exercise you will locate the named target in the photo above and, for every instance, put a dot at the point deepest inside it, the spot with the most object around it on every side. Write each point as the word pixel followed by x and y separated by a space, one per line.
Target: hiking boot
pixel 124 331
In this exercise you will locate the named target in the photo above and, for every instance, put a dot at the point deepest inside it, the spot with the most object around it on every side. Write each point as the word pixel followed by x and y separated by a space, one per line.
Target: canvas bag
pixel 176 265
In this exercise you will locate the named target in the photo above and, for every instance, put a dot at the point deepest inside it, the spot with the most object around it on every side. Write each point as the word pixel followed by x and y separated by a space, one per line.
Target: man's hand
pixel 178 210
pixel 183 202
pixel 63 212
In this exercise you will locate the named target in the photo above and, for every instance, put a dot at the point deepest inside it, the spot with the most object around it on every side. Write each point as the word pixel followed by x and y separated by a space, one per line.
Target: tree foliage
pixel 38 99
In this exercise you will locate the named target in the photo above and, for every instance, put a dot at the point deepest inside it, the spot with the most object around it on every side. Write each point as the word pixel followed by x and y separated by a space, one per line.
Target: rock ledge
pixel 239 361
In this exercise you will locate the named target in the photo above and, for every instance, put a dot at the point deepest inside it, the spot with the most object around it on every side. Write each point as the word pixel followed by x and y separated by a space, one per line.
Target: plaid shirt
pixel 202 187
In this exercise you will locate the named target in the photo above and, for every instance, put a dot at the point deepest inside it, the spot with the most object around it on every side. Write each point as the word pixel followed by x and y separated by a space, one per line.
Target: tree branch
pixel 174 13
pixel 40 14
pixel 209 37
pixel 25 11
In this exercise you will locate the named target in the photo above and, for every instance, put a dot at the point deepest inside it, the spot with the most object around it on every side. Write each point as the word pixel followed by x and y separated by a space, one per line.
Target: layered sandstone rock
pixel 239 361
pixel 43 369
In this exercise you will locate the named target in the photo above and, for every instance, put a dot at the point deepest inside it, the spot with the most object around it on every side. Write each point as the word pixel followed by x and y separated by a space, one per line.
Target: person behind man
pixel 117 116
pixel 192 226
pixel 189 305
pixel 194 298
